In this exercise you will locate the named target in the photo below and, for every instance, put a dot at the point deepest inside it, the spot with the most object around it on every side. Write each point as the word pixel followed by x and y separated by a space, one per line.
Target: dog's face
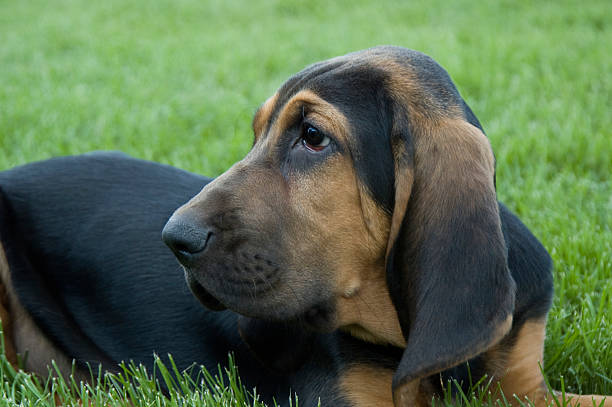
pixel 366 203
pixel 301 223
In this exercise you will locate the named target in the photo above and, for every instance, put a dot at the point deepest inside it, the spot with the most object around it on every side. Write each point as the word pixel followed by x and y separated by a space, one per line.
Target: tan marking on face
pixel 263 115
pixel 343 225
pixel 27 338
pixel 377 220
pixel 332 229
pixel 328 207
pixel 322 113
pixel 349 229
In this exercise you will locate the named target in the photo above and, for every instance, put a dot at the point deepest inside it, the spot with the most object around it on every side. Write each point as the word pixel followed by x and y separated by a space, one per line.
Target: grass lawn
pixel 178 81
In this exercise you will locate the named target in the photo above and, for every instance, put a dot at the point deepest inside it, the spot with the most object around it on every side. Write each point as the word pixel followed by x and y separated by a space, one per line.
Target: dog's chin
pixel 319 316
pixel 201 294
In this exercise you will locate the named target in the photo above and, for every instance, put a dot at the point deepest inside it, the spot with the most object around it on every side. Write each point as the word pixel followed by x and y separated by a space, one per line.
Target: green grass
pixel 178 81
pixel 133 386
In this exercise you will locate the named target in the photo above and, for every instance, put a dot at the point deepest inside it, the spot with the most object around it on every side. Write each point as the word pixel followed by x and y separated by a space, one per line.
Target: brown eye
pixel 313 139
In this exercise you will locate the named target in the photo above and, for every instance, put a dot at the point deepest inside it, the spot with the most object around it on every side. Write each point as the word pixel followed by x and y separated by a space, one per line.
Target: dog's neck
pixel 368 313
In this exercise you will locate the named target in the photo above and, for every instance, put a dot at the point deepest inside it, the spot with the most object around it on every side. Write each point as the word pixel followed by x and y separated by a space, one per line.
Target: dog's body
pixel 360 241
pixel 84 258
pixel 81 237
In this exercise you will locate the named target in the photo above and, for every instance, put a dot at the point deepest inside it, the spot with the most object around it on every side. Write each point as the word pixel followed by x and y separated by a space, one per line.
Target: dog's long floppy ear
pixel 446 260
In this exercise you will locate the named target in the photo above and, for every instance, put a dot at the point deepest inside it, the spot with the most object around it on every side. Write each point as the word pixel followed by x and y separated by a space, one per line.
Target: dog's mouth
pixel 201 294
pixel 319 316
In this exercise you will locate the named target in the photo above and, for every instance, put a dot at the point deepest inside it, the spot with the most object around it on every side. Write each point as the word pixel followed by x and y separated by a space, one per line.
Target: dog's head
pixel 368 204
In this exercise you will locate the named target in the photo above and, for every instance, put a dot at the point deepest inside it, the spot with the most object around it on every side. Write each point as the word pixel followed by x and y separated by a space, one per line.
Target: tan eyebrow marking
pixel 263 115
pixel 326 114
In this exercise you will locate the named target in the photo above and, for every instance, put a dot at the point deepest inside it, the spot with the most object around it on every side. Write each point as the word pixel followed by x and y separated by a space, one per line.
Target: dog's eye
pixel 313 139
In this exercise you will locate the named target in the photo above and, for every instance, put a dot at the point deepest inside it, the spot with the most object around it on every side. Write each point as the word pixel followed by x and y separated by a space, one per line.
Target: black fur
pixel 430 276
pixel 82 239
pixel 339 83
pixel 534 286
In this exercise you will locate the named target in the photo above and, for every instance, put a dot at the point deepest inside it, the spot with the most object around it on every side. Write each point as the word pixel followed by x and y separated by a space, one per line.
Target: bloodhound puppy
pixel 357 255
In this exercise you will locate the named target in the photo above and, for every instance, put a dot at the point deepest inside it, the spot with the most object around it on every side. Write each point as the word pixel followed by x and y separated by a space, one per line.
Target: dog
pixel 357 255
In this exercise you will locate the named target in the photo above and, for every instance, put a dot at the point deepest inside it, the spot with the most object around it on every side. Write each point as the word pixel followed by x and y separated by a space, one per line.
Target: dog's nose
pixel 186 239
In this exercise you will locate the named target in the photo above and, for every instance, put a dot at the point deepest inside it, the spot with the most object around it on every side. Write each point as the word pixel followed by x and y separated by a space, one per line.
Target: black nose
pixel 186 239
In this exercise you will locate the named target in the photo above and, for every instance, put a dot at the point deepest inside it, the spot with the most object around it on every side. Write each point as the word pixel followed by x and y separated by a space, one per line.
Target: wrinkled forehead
pixel 364 80
pixel 368 88
pixel 340 82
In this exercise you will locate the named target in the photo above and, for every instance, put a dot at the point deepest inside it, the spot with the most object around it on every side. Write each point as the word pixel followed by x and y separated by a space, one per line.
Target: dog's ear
pixel 446 264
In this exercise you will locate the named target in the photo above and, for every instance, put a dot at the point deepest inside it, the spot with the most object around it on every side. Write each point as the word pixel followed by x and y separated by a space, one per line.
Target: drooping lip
pixel 246 296
pixel 198 291
pixel 316 315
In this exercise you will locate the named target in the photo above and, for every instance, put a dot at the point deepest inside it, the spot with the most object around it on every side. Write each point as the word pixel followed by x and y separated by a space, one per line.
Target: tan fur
pixel 263 115
pixel 370 386
pixel 404 179
pixel 521 375
pixel 337 235
pixel 370 314
pixel 344 209
pixel 433 129
pixel 34 348
pixel 337 230
pixel 453 163
pixel 5 317
pixel 334 228
pixel 407 394
pixel 518 370
pixel 366 386
pixel 444 131
pixel 364 307
pixel 405 86
pixel 322 113
pixel 577 400
pixel 465 165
